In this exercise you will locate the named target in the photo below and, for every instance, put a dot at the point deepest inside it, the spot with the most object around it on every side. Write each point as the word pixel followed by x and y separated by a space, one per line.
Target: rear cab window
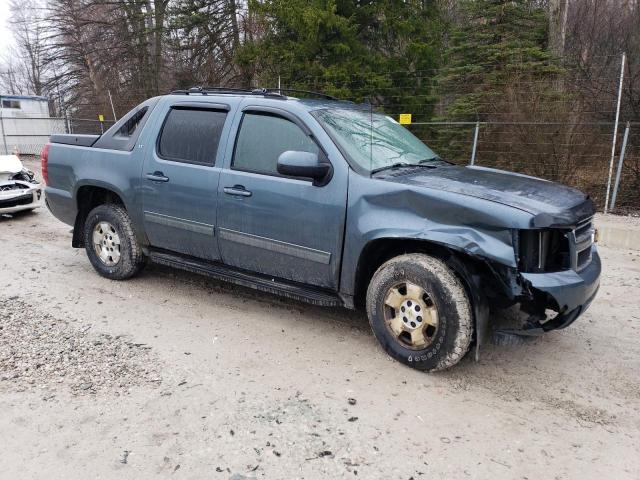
pixel 191 135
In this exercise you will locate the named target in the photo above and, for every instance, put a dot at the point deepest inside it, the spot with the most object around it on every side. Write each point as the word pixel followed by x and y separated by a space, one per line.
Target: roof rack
pixel 272 92
pixel 308 92
pixel 226 90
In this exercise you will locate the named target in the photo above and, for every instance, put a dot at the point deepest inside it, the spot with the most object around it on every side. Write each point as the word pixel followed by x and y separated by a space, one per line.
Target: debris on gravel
pixel 38 350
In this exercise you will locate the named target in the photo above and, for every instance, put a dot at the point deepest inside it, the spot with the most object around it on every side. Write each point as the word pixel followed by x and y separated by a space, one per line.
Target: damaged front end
pixel 558 275
pixel 19 190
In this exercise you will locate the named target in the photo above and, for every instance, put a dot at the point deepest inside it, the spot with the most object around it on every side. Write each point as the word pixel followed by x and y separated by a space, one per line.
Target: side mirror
pixel 304 164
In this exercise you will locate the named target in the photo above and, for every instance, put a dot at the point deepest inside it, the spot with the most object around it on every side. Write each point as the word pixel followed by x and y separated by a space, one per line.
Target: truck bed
pixel 78 140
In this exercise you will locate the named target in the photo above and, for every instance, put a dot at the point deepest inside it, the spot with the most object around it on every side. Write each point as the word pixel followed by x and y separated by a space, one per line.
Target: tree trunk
pixel 158 36
pixel 558 13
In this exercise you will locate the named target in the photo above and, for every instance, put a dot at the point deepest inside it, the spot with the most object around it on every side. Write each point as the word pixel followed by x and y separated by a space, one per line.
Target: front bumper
pixel 16 200
pixel 569 292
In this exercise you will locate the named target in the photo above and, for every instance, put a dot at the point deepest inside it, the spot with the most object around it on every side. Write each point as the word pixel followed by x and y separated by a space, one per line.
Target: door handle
pixel 237 190
pixel 157 177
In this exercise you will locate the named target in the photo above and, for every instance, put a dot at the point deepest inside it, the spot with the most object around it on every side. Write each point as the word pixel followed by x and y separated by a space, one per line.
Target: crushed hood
pixel 10 164
pixel 550 203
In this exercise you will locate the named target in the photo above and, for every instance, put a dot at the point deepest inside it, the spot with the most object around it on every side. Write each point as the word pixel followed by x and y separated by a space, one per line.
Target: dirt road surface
pixel 175 375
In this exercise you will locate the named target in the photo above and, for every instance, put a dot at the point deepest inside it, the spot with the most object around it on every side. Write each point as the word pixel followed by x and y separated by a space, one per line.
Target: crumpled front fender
pixel 386 210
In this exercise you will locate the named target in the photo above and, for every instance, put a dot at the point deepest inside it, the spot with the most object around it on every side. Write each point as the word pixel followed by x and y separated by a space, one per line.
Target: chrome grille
pixel 582 240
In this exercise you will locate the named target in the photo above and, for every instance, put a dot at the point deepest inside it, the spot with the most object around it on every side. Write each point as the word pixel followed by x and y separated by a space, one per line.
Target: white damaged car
pixel 19 190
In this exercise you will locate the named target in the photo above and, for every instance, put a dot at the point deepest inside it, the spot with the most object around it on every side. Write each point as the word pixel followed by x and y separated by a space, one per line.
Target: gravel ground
pixel 40 350
pixel 191 378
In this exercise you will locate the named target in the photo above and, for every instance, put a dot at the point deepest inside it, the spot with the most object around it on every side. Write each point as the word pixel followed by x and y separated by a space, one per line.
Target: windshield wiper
pixel 393 166
pixel 430 160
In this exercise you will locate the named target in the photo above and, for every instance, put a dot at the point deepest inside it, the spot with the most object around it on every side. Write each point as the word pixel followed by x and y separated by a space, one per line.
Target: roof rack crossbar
pixel 275 92
pixel 308 92
pixel 225 89
pixel 204 90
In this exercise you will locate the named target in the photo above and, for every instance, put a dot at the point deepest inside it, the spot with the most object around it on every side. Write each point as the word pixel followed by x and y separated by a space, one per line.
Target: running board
pixel 263 283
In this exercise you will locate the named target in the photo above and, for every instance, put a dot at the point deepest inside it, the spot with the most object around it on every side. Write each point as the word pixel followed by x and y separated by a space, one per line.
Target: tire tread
pixel 456 291
pixel 131 262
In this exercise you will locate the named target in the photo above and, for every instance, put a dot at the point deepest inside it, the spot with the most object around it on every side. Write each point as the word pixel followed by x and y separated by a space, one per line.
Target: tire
pixel 121 256
pixel 434 330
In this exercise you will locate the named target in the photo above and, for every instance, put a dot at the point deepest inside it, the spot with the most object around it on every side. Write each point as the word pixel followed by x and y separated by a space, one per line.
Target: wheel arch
pixel 378 251
pixel 89 196
pixel 472 271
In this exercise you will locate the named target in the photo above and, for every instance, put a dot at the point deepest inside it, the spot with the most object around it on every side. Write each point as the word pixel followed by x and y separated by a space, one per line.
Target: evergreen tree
pixel 376 51
pixel 498 69
pixel 501 45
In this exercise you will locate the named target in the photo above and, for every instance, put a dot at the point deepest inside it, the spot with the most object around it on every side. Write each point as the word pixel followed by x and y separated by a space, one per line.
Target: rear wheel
pixel 420 312
pixel 110 242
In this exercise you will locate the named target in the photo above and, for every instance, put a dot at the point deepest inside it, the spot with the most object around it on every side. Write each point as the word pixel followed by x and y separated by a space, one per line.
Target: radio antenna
pixel 370 135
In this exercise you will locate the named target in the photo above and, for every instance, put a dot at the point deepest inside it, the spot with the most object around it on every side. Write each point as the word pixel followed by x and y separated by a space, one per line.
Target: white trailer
pixel 25 124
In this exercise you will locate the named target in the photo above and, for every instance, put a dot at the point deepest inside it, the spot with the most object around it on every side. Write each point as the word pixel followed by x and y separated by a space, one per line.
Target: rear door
pixel 180 178
pixel 275 225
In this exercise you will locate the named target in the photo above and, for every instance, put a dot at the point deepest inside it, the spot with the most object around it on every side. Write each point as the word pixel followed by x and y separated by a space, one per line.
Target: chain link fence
pixel 28 135
pixel 576 154
pixel 628 192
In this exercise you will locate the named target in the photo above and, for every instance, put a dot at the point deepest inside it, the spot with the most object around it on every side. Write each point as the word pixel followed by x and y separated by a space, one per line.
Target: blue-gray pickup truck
pixel 327 202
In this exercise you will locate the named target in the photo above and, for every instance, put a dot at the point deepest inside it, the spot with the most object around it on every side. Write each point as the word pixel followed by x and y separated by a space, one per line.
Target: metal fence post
pixel 4 137
pixel 115 119
pixel 475 144
pixel 620 162
pixel 615 133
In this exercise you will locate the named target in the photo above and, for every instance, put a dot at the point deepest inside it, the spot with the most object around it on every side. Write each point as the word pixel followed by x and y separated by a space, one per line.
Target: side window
pixel 10 104
pixel 130 126
pixel 124 134
pixel 191 135
pixel 261 140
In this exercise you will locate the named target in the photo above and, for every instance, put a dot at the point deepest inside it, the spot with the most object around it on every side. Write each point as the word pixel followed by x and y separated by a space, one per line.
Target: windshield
pixel 376 145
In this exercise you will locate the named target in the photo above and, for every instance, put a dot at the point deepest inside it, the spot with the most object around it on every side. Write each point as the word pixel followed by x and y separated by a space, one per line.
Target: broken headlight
pixel 543 250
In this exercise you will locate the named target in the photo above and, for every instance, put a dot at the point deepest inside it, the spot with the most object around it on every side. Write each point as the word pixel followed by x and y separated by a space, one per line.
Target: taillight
pixel 44 163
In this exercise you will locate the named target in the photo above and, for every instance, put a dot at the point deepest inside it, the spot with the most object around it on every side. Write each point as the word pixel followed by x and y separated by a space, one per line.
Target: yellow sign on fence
pixel 405 119
pixel 101 117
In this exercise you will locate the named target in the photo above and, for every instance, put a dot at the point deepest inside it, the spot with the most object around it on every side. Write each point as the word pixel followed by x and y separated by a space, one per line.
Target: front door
pixel 180 181
pixel 279 226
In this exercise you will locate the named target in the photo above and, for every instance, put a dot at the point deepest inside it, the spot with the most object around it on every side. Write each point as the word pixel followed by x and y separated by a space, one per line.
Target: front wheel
pixel 111 244
pixel 420 312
